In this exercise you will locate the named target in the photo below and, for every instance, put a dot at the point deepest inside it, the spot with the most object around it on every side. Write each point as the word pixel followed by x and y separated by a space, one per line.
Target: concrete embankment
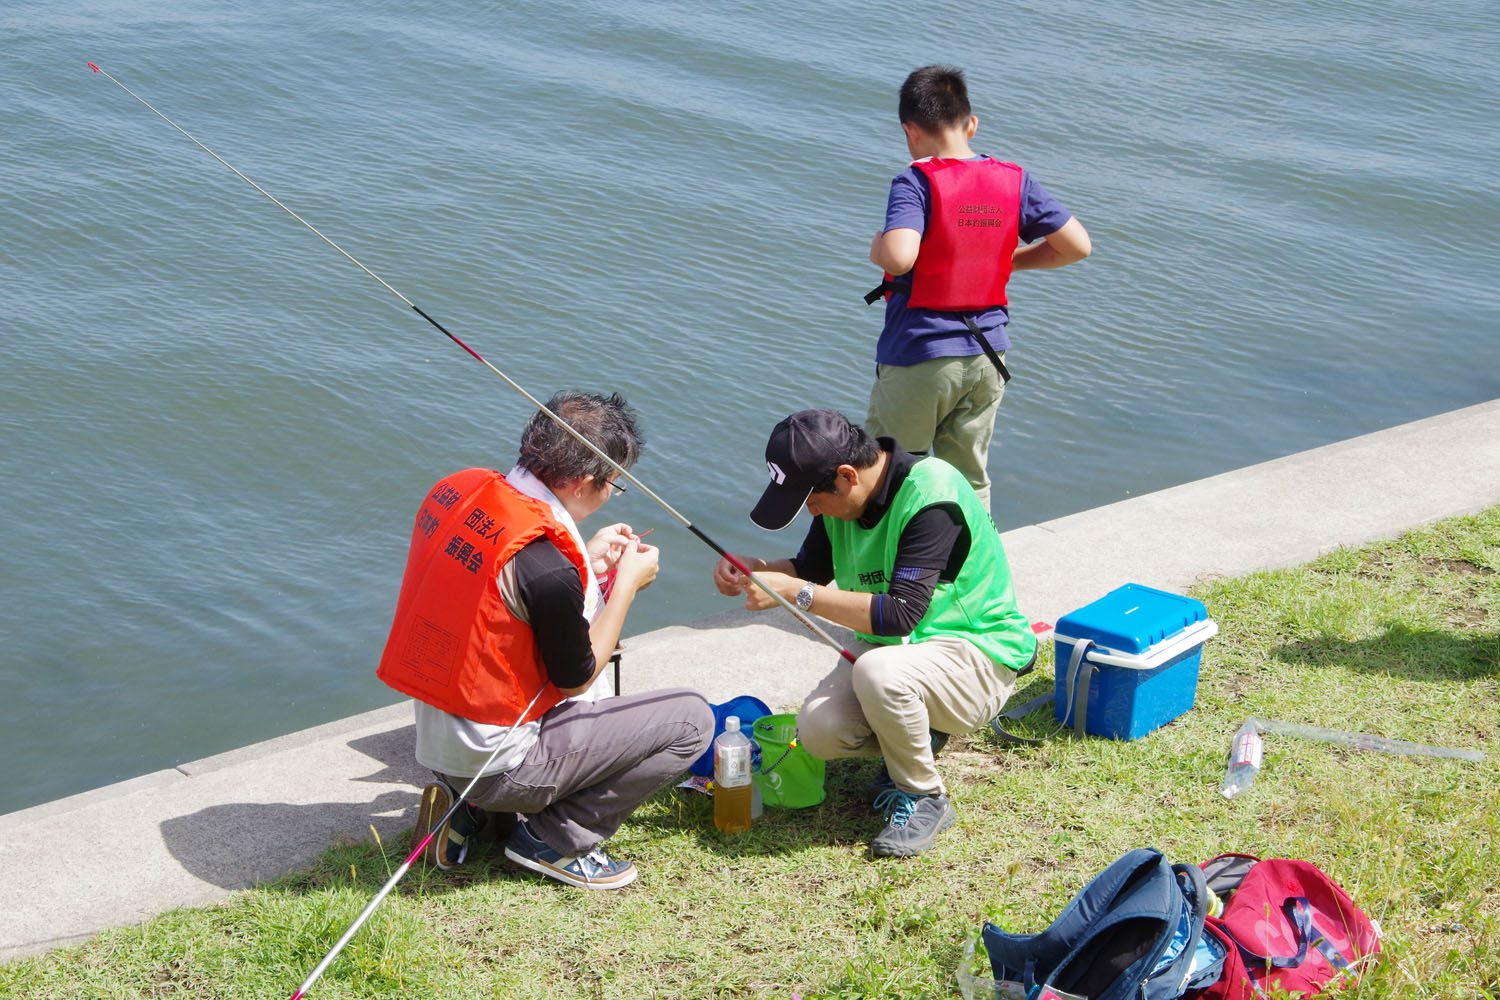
pixel 194 833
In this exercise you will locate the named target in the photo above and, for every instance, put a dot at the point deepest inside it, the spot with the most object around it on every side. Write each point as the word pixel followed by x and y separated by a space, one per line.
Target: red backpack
pixel 1285 926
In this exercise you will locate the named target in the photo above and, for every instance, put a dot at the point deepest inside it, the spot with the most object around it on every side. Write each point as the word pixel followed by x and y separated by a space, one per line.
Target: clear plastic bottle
pixel 1244 760
pixel 732 778
pixel 755 778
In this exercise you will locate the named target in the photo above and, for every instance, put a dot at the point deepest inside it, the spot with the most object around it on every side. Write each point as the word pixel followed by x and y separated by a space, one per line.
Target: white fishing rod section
pixel 738 564
pixel 434 829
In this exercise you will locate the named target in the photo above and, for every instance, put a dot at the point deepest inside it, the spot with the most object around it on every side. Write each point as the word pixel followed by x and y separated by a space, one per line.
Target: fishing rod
pixel 416 852
pixel 650 494
pixel 645 490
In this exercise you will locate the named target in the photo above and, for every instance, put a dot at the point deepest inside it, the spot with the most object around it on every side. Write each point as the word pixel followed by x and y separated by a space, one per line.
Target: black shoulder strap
pixel 905 286
pixel 988 350
pixel 886 286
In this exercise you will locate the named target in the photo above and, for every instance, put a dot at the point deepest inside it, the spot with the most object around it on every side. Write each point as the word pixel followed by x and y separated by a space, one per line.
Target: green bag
pixel 790 777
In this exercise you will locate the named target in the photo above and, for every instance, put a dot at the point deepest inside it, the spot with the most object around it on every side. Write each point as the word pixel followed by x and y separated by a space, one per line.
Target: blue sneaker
pixel 594 870
pixel 914 822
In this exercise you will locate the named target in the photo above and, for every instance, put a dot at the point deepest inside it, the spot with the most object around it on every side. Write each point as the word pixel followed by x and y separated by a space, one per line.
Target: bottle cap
pixel 732 724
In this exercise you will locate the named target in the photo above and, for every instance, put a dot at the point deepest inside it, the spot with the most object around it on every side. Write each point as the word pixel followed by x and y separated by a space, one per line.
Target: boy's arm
pixel 1064 246
pixel 895 250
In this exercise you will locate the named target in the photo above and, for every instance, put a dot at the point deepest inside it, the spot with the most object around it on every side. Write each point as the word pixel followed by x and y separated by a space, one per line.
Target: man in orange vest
pixel 956 225
pixel 501 635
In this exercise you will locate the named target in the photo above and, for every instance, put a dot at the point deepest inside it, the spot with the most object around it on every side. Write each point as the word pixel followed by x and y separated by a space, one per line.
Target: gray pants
pixel 595 762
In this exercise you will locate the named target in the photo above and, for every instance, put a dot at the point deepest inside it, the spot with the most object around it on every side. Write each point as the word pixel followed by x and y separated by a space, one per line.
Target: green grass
pixel 1400 638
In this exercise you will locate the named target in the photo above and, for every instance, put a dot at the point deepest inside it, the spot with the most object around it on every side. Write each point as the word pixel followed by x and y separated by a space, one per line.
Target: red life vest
pixel 975 209
pixel 454 644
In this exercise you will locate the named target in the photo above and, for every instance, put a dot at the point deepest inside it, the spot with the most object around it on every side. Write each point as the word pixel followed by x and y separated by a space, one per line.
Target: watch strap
pixel 805 597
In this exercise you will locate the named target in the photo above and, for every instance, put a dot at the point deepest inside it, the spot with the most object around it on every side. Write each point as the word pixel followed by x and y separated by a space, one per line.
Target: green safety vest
pixel 979 605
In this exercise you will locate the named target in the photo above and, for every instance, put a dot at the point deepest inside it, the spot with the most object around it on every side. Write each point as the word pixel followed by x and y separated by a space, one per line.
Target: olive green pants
pixel 944 407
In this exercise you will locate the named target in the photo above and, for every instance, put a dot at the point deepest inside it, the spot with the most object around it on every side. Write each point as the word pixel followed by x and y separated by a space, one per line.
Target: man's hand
pixel 607 545
pixel 636 566
pixel 728 579
pixel 731 581
pixel 784 584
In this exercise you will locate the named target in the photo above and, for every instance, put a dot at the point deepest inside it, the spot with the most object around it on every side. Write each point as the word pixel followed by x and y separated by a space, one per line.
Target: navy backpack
pixel 1135 931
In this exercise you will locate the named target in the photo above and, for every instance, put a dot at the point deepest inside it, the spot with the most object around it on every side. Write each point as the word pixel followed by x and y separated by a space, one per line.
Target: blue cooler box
pixel 1148 644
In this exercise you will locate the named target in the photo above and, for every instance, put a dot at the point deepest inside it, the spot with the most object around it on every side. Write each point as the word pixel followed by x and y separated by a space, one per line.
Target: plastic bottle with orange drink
pixel 732 778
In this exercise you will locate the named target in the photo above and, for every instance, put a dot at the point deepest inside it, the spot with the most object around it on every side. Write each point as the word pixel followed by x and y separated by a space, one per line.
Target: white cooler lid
pixel 1169 648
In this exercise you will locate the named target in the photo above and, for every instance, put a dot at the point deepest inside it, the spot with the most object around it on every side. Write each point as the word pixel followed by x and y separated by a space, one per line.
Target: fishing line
pixel 645 490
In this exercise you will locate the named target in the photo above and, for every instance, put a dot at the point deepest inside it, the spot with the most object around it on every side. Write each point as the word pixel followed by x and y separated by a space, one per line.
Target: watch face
pixel 805 598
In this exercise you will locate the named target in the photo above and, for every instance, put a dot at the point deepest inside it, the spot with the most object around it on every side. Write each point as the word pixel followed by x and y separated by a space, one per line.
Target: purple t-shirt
pixel 914 335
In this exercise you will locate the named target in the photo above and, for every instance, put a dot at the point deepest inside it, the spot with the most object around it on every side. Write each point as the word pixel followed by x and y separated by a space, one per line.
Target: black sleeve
pixel 814 561
pixel 553 595
pixel 932 549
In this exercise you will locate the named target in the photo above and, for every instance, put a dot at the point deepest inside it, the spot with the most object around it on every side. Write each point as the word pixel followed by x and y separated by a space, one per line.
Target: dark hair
pixel 934 98
pixel 862 451
pixel 554 456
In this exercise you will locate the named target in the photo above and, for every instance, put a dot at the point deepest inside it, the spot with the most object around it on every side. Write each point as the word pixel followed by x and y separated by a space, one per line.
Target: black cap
pixel 803 449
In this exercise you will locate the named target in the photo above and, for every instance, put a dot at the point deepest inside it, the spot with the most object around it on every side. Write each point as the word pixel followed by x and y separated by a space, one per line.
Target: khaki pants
pixel 884 703
pixel 945 406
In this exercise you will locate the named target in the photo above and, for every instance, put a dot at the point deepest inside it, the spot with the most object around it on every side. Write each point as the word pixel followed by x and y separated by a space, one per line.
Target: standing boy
pixel 954 223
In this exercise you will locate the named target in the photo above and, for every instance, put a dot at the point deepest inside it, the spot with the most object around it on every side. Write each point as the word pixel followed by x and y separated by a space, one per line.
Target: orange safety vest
pixel 972 224
pixel 454 644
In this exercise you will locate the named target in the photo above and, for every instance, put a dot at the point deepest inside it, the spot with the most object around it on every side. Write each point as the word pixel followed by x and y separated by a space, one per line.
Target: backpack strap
pixel 1299 910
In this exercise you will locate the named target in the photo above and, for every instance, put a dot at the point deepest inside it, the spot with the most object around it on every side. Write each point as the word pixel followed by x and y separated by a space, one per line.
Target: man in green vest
pixel 921 578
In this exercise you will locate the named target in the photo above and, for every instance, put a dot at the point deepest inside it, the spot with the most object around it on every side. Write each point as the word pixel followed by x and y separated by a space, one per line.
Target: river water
pixel 214 430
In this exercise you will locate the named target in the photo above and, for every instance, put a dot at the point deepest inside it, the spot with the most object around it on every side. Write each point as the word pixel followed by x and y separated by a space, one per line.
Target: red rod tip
pixel 93 67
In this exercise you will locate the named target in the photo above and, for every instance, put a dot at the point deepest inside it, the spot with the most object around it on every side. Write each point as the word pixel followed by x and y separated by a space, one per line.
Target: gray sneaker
pixel 915 822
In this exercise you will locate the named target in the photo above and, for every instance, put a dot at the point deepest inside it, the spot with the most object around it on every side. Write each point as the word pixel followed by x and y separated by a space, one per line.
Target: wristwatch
pixel 805 596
